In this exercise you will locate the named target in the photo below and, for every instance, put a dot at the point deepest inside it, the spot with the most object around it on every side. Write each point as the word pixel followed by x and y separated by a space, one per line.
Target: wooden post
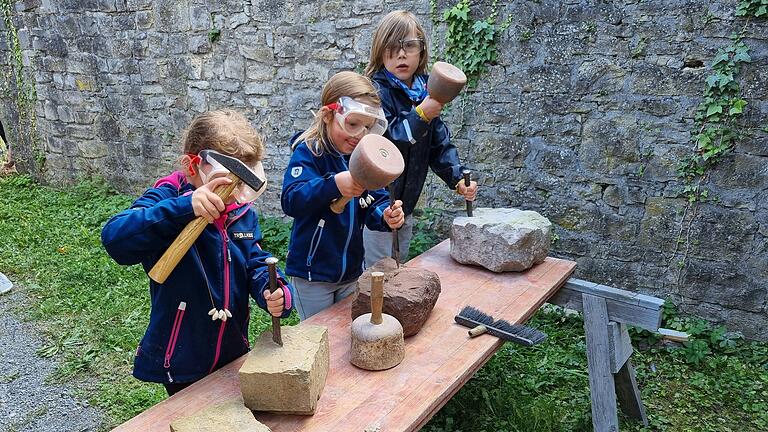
pixel 629 394
pixel 601 384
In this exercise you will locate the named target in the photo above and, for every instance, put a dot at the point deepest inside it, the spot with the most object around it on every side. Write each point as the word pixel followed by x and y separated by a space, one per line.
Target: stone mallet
pixel 377 338
pixel 375 162
pixel 272 268
pixel 238 172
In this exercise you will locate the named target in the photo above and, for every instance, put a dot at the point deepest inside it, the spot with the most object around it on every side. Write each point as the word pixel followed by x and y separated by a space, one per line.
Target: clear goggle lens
pixel 210 169
pixel 357 118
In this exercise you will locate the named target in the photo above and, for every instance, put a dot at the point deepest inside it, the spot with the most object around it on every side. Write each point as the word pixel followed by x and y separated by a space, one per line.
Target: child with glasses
pixel 199 317
pixel 325 254
pixel 397 65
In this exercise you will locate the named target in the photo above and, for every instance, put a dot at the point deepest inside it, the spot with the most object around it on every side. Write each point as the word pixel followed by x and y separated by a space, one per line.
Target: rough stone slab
pixel 409 294
pixel 502 239
pixel 229 416
pixel 287 379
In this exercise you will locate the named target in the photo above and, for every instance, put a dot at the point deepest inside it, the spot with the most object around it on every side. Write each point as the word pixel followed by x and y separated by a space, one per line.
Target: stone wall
pixel 583 118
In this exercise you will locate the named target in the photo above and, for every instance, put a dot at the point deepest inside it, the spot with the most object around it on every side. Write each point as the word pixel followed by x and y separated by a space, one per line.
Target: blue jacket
pixel 324 246
pixel 423 145
pixel 182 344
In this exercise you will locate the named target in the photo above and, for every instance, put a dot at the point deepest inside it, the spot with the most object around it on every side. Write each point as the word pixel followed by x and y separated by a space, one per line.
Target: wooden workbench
pixel 438 360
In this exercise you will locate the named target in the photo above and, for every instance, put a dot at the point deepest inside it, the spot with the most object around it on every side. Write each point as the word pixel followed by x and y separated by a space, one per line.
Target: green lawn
pixel 94 312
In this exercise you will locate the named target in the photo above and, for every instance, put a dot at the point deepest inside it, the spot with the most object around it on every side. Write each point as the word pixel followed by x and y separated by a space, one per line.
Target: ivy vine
pixel 20 89
pixel 717 129
pixel 471 44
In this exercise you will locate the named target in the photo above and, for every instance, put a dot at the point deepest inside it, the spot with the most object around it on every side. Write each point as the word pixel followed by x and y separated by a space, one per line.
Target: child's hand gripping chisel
pixel 466 173
pixel 272 268
pixel 395 239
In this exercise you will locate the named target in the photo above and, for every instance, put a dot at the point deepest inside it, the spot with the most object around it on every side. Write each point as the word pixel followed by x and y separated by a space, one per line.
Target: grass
pixel 93 313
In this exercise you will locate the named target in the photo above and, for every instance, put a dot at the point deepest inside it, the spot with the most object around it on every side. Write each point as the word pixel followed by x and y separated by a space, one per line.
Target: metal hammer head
pixel 236 167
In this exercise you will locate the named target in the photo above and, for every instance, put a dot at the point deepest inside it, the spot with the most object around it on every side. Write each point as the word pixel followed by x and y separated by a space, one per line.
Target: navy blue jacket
pixel 182 344
pixel 423 145
pixel 324 246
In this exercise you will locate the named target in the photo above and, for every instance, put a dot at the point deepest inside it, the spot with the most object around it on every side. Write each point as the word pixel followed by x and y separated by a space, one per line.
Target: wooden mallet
pixel 238 172
pixel 375 162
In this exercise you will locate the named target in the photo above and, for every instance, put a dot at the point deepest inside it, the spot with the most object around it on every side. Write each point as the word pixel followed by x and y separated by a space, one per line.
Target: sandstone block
pixel 409 294
pixel 228 416
pixel 502 239
pixel 287 379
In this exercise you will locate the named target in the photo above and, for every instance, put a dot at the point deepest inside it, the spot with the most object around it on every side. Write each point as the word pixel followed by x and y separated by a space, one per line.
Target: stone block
pixel 287 379
pixel 409 294
pixel 503 239
pixel 228 416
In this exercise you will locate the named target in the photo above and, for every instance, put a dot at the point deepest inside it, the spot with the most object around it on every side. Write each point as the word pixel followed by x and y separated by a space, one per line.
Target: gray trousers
pixel 312 297
pixel 378 244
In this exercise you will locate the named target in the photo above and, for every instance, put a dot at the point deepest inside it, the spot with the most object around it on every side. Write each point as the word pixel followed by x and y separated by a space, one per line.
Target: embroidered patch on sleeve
pixel 296 171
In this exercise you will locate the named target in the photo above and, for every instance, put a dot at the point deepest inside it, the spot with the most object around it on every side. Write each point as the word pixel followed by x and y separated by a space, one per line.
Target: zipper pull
pixel 170 378
pixel 229 254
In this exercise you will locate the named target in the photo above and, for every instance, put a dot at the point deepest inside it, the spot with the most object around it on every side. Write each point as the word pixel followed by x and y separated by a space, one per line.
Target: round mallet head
pixel 375 162
pixel 445 82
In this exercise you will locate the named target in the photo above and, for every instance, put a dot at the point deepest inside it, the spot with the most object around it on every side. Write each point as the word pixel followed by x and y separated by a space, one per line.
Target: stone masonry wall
pixel 583 118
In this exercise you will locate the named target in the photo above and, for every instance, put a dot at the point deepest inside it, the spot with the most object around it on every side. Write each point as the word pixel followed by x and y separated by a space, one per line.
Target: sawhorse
pixel 607 312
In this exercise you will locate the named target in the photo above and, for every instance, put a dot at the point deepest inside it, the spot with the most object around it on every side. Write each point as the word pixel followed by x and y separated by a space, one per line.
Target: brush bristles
pixel 523 335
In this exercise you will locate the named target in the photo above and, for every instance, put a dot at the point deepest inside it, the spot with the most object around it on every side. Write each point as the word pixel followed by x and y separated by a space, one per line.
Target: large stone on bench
pixel 502 239
pixel 287 379
pixel 228 416
pixel 409 294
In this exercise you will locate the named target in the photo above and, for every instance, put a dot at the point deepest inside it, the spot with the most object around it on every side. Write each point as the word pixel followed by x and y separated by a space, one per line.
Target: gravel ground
pixel 27 403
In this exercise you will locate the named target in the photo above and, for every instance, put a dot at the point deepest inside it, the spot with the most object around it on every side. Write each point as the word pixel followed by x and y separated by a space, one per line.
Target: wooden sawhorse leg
pixel 610 372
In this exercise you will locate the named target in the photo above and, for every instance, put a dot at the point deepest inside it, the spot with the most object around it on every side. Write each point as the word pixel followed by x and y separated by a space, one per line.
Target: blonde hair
pixel 345 83
pixel 227 132
pixel 395 26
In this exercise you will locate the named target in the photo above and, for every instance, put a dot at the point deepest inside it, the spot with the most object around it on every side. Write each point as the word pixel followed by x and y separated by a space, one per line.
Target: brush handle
pixel 170 259
pixel 477 331
pixel 467 173
pixel 377 297
pixel 277 336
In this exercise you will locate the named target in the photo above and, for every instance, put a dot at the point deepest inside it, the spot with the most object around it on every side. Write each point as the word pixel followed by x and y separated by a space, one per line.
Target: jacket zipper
pixel 227 260
pixel 349 235
pixel 313 244
pixel 173 338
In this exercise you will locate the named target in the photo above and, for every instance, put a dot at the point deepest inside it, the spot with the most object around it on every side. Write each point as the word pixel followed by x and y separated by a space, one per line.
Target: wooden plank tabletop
pixel 438 360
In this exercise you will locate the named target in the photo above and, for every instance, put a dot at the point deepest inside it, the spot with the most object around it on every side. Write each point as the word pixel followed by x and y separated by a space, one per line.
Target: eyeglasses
pixel 412 46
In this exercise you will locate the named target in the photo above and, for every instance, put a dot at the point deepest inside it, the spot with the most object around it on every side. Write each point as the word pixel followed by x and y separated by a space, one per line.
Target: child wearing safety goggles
pixel 325 255
pixel 397 66
pixel 200 314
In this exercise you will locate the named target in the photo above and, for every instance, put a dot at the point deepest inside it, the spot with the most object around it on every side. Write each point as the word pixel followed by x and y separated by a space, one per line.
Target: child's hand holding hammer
pixel 469 192
pixel 394 216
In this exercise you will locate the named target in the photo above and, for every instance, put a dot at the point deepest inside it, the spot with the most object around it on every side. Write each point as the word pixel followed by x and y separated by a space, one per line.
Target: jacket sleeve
pixel 405 127
pixel 305 188
pixel 149 226
pixel 374 218
pixel 259 278
pixel 443 155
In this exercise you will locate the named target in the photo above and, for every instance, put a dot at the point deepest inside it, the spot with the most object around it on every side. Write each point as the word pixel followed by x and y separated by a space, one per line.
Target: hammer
pixel 238 172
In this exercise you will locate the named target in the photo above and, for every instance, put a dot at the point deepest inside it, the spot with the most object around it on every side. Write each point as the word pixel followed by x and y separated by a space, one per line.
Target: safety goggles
pixel 410 46
pixel 210 169
pixel 357 118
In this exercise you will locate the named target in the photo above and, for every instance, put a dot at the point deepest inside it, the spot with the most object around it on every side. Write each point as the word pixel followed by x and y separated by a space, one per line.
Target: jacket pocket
pixel 172 339
pixel 313 245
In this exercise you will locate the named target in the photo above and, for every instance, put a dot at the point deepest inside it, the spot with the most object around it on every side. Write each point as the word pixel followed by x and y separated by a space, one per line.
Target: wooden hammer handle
pixel 377 297
pixel 170 259
pixel 337 206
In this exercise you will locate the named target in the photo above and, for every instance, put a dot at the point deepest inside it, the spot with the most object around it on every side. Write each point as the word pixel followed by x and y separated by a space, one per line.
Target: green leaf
pixel 714 109
pixel 742 56
pixel 762 10
pixel 712 80
pixel 737 107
